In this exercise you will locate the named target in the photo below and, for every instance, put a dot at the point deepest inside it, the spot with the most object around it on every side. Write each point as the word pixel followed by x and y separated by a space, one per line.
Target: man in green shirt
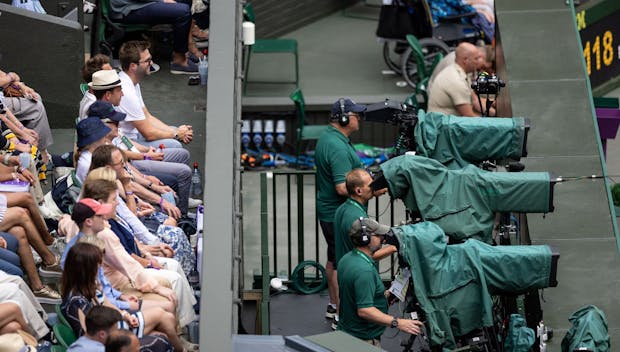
pixel 334 157
pixel 356 206
pixel 363 303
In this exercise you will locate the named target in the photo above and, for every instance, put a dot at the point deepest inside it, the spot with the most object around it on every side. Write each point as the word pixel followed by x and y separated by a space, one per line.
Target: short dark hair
pixel 99 93
pixel 102 156
pixel 100 318
pixel 93 65
pixel 354 179
pixel 130 52
pixel 118 340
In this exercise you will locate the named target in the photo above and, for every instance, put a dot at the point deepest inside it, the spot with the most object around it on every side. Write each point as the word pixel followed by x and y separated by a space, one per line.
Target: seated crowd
pixel 107 232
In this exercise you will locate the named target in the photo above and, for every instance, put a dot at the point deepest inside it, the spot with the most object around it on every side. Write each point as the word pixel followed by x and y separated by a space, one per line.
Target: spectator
pixel 140 125
pixel 81 293
pixel 122 341
pixel 14 288
pixel 100 322
pixel 11 318
pixel 168 241
pixel 30 118
pixel 168 165
pixel 92 65
pixel 451 92
pixel 158 12
pixel 91 134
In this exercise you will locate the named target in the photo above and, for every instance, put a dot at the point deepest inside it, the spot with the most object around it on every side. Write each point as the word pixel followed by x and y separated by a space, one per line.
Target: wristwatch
pixel 394 323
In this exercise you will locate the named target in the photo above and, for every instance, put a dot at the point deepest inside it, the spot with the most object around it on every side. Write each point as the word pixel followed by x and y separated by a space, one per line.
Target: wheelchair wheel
pixel 392 54
pixel 431 47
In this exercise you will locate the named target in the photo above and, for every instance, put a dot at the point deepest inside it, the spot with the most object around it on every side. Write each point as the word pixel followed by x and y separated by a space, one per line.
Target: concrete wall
pixel 277 17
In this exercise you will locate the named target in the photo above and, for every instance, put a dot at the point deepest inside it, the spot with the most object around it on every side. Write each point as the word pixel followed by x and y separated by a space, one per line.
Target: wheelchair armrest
pixel 456 18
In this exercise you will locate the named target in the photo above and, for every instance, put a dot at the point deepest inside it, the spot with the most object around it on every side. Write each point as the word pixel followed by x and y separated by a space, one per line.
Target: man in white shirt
pixel 451 91
pixel 140 125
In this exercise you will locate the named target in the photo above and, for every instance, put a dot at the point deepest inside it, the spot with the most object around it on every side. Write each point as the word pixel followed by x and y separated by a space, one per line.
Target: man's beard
pixel 373 249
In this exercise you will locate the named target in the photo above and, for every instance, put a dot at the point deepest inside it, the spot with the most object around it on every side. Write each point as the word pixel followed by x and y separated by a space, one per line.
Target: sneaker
pixel 52 270
pixel 331 312
pixel 193 203
pixel 335 322
pixel 188 346
pixel 47 295
pixel 89 7
pixel 154 68
pixel 190 69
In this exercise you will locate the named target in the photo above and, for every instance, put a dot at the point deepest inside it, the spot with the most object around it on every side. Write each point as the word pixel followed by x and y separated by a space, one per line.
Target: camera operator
pixel 363 303
pixel 334 157
pixel 451 91
pixel 355 207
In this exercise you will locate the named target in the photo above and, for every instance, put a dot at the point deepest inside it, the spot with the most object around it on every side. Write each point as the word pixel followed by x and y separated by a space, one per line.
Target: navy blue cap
pixel 349 106
pixel 105 110
pixel 90 130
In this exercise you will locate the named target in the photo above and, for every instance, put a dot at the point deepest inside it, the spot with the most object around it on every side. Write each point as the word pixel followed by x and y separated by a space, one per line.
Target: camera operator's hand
pixel 409 326
pixel 380 192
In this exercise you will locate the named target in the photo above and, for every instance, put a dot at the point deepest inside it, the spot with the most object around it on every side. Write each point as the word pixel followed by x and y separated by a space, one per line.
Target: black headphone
pixel 342 117
pixel 361 238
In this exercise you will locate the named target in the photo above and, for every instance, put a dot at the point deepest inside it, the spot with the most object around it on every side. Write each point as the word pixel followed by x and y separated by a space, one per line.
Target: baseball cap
pixel 372 227
pixel 87 208
pixel 105 110
pixel 349 106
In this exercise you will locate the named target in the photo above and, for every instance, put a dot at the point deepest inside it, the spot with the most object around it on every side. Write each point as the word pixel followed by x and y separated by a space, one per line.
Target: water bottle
pixel 280 133
pixel 257 138
pixel 195 188
pixel 245 134
pixel 203 69
pixel 268 133
pixel 161 148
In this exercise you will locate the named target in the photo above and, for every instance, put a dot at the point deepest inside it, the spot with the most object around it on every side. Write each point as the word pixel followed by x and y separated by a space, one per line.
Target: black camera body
pixel 487 84
pixel 397 114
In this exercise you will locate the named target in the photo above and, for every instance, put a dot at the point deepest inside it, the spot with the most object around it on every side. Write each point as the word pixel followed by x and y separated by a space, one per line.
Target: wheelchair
pixel 434 39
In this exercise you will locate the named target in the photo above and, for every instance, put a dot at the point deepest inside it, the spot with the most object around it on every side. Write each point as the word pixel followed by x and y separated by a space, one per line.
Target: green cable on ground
pixel 298 278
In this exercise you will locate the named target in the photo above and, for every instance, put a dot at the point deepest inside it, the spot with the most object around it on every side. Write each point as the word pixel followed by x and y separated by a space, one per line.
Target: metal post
pixel 221 245
pixel 264 251
pixel 300 217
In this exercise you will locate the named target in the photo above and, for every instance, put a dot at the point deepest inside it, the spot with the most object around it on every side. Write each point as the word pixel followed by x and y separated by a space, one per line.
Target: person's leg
pixel 176 155
pixel 9 260
pixel 25 255
pixel 177 14
pixel 10 313
pixel 33 115
pixel 156 319
pixel 184 292
pixel 330 270
pixel 180 173
pixel 167 142
pixel 16 216
pixel 25 200
pixel 16 290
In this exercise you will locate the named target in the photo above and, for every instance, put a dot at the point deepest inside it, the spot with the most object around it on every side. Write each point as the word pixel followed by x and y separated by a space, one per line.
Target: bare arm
pixel 385 251
pixel 378 317
pixel 341 189
pixel 466 110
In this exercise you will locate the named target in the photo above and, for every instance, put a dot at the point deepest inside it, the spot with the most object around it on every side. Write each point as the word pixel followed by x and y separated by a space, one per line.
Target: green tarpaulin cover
pixel 520 338
pixel 589 330
pixel 463 202
pixel 458 141
pixel 453 283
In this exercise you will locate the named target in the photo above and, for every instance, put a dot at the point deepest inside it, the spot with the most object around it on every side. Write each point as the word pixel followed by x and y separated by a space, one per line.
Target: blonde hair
pixel 94 240
pixel 101 173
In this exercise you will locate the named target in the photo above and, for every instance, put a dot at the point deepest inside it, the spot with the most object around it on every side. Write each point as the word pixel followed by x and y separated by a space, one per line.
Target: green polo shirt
pixel 345 216
pixel 359 287
pixel 334 157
